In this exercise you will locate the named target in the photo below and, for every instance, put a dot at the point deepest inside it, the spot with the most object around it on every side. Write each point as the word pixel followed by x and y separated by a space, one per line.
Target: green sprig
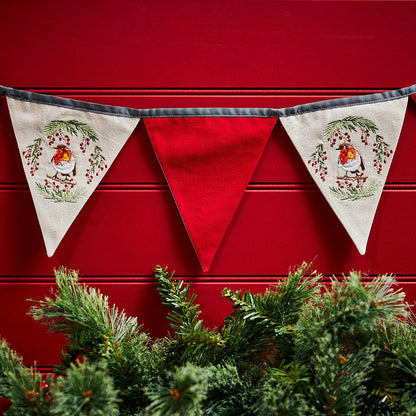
pixel 73 127
pixel 82 314
pixel 349 123
pixel 353 193
pixel 191 340
pixel 59 195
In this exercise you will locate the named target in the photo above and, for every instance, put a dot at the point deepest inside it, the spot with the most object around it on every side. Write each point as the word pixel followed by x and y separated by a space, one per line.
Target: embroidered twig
pixel 352 178
pixel 352 193
pixel 63 181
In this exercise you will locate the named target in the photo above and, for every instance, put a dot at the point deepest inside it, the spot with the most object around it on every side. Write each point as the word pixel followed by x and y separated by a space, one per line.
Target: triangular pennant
pixel 348 151
pixel 65 154
pixel 208 163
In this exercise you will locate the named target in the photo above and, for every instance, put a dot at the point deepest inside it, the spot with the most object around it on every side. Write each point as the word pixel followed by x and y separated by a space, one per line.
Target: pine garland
pixel 302 347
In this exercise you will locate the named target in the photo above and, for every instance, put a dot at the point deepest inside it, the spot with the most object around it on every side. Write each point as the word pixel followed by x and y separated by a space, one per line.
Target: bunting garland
pixel 208 156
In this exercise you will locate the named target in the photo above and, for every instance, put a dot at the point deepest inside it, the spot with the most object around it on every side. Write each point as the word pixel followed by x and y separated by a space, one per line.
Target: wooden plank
pixel 272 230
pixel 250 44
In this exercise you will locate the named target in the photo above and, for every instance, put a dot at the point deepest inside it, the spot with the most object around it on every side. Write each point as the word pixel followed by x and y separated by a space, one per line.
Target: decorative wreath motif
pixel 351 177
pixel 63 136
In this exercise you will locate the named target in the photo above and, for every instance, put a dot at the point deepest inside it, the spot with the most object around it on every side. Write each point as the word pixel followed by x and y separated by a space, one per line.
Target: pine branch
pixel 83 316
pixel 135 366
pixel 184 313
pixel 226 391
pixel 296 349
pixel 279 306
pixel 10 362
pixel 87 390
pixel 283 391
pixel 261 323
pixel 191 341
pixel 350 310
pixel 29 392
pixel 339 381
pixel 183 393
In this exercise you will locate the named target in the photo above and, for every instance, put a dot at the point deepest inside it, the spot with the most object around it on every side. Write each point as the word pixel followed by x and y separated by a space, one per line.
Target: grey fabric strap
pixel 205 112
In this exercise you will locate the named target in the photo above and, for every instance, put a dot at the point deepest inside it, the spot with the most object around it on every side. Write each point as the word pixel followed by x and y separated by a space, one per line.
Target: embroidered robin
pixel 63 161
pixel 350 159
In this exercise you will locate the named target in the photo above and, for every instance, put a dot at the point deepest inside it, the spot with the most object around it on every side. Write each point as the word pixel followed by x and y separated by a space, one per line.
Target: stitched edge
pixel 205 112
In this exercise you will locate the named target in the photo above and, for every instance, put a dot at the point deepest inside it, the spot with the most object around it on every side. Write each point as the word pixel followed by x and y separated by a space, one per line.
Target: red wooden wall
pixel 147 54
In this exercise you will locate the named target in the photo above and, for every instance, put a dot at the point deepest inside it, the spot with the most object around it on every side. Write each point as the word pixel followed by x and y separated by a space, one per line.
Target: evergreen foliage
pixel 303 347
pixel 10 362
pixel 29 393
pixel 72 127
pixel 82 314
pixel 350 123
pixel 87 390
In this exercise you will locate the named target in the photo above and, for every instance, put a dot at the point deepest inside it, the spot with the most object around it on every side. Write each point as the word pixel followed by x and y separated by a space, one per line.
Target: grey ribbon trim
pixel 348 101
pixel 205 112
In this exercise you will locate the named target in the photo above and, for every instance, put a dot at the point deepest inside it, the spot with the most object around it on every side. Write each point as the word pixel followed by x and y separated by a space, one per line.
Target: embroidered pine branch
pixel 51 191
pixel 73 127
pixel 349 123
pixel 354 193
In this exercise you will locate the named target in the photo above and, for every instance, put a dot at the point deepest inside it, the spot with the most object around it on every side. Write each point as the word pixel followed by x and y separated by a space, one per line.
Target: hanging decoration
pixel 208 156
pixel 348 152
pixel 208 163
pixel 65 154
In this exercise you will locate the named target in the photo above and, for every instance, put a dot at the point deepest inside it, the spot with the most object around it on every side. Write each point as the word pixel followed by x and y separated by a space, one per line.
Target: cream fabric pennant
pixel 65 154
pixel 348 152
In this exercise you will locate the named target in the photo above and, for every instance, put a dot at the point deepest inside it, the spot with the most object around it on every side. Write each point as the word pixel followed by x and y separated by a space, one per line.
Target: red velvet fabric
pixel 414 97
pixel 208 163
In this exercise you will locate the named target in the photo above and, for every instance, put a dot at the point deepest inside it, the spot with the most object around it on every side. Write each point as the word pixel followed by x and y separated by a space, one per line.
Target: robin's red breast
pixel 64 161
pixel 350 159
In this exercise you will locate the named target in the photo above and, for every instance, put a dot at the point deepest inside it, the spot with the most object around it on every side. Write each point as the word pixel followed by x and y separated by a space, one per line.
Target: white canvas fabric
pixel 65 154
pixel 348 152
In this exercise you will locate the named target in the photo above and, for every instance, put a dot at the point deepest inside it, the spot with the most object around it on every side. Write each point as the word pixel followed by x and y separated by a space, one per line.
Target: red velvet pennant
pixel 208 163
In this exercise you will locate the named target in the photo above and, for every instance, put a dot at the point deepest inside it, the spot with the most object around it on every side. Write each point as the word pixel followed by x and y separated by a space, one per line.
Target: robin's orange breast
pixel 61 155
